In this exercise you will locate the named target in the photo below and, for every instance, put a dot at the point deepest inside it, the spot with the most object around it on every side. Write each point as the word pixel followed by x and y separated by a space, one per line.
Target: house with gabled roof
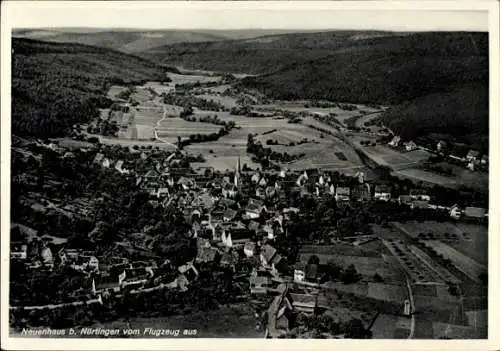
pixel 106 162
pixel 361 192
pixel 342 193
pixel 395 141
pixel 420 194
pixel 229 215
pixel 249 249
pixel 152 174
pixel 185 183
pixel 18 251
pixel 382 193
pixel 472 155
pixel 254 211
pixel 259 284
pixel 135 278
pixel 237 237
pixel 106 284
pixel 98 158
pixel 267 253
pixel 410 146
pixel 303 302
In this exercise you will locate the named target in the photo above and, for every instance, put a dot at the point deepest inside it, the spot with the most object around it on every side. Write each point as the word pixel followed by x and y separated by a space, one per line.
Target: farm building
pixel 105 284
pixel 382 193
pixel 237 237
pixel 303 302
pixel 395 141
pixel 259 284
pixel 419 194
pixel 299 272
pixel 455 212
pixel 441 145
pixel 342 193
pixel 472 155
pixel 410 146
pixel 267 254
pixel 18 251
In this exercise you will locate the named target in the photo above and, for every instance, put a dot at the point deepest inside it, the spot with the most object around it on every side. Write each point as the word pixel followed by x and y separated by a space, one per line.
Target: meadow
pixel 469 239
pixel 465 264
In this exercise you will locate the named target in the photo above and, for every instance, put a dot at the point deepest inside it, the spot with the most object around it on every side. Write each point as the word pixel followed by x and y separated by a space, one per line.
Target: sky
pixel 227 15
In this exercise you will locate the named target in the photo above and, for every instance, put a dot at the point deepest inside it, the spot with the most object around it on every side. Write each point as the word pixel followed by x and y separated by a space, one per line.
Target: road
pixel 412 309
pixel 158 124
pixel 272 312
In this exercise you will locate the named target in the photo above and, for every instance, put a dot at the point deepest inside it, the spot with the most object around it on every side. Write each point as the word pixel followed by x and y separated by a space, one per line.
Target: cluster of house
pixel 408 146
pixel 139 276
pixel 473 160
pixel 106 162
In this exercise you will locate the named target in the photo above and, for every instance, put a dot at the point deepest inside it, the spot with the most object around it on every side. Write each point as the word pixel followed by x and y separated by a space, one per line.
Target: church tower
pixel 237 178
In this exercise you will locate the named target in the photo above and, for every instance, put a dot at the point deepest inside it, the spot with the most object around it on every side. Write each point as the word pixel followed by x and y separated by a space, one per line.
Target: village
pixel 303 243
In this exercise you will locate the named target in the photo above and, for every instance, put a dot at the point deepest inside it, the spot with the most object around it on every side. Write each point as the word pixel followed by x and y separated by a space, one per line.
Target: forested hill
pixel 56 85
pixel 436 82
pixel 383 70
pixel 260 55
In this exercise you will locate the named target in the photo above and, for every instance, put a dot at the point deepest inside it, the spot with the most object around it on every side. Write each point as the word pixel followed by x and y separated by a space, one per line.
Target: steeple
pixel 237 174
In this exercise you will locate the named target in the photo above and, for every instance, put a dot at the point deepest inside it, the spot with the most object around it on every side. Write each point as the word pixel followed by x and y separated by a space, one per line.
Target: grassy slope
pixel 56 85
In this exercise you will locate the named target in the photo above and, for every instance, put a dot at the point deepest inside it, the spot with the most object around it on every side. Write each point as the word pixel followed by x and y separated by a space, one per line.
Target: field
pixel 360 122
pixel 384 155
pixel 298 106
pixel 316 155
pixel 466 177
pixel 147 115
pixel 465 264
pixel 145 120
pixel 114 90
pixel 417 270
pixel 452 331
pixel 192 78
pixel 386 292
pixel 171 128
pixel 227 101
pixel 385 327
pixel 416 174
pixel 469 239
pixel 337 249
pixel 142 95
pixel 159 88
pixel 367 266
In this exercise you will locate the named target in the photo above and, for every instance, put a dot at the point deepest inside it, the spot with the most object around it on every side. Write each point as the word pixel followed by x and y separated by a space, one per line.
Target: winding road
pixel 158 125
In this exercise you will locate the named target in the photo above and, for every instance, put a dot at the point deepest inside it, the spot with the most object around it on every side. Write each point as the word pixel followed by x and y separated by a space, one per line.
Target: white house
pixel 440 145
pixel 455 212
pixel 395 141
pixel 472 155
pixel 299 273
pixel 382 193
pixel 410 146
pixel 249 249
pixel 106 163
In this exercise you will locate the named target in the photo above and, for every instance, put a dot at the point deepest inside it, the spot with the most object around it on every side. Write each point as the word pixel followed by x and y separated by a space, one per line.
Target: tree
pixel 356 330
pixel 350 275
pixel 313 260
